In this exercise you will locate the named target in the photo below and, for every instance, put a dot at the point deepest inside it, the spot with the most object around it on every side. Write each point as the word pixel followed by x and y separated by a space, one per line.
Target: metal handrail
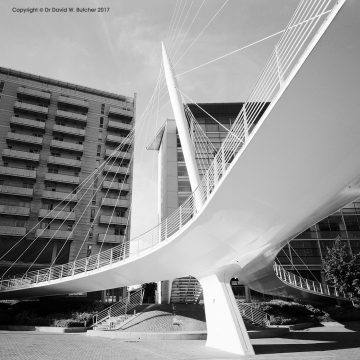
pixel 252 314
pixel 285 60
pixel 118 309
pixel 299 282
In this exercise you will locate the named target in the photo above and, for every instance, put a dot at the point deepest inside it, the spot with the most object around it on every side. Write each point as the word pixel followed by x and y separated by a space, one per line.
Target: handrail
pixel 119 309
pixel 284 62
pixel 311 286
pixel 252 314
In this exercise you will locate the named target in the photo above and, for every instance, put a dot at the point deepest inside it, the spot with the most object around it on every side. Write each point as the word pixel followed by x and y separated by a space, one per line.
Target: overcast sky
pixel 120 51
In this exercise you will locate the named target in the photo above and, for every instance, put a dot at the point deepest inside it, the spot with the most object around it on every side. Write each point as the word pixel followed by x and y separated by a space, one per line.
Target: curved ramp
pixel 299 164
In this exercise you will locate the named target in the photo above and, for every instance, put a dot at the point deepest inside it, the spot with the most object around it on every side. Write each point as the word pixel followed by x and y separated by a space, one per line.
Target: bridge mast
pixel 181 122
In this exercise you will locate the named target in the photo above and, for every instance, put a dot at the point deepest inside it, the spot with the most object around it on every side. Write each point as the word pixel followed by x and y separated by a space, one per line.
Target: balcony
pixel 115 202
pixel 14 210
pixel 67 179
pixel 58 160
pixel 119 125
pixel 72 101
pixel 117 154
pixel 66 145
pixel 31 108
pixel 23 173
pixel 55 234
pixel 116 169
pixel 118 140
pixel 23 155
pixel 28 123
pixel 121 112
pixel 69 130
pixel 111 239
pixel 28 139
pixel 114 220
pixel 15 190
pixel 116 186
pixel 71 115
pixel 37 94
pixel 59 215
pixel 12 231
pixel 57 195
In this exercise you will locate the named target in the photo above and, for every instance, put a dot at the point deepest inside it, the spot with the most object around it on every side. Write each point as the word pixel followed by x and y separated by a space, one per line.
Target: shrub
pixel 68 323
pixel 284 313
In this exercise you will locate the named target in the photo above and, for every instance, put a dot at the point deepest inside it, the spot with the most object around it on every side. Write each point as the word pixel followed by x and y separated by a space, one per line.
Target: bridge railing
pixel 119 309
pixel 299 282
pixel 252 314
pixel 294 44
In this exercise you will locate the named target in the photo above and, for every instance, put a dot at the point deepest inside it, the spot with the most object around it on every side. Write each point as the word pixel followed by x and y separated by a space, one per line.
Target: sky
pixel 120 51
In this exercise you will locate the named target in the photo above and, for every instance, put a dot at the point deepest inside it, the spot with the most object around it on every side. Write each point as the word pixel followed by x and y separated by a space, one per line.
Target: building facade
pixel 53 136
pixel 303 255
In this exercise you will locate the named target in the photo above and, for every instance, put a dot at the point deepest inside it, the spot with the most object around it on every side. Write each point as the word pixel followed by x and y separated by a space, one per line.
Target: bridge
pixel 294 142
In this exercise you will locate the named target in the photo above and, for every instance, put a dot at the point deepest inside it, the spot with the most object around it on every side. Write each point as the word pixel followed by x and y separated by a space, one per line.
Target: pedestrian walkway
pixel 320 343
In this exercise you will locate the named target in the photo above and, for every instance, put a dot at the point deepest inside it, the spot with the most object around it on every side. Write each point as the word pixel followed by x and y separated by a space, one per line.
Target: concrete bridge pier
pixel 225 327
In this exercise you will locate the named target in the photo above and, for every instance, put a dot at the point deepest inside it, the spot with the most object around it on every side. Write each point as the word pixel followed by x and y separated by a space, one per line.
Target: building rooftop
pixel 63 84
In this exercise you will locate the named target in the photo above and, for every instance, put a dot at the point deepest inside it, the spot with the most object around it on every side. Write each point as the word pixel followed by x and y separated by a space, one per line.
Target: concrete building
pixel 53 135
pixel 303 255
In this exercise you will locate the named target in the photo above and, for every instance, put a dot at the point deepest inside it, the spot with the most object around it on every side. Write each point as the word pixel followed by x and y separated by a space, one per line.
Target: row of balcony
pixel 71 115
pixel 115 111
pixel 15 190
pixel 69 130
pixel 119 125
pixel 56 195
pixel 117 154
pixel 111 169
pixel 28 123
pixel 67 145
pixel 67 179
pixel 37 94
pixel 22 155
pixel 15 210
pixel 118 140
pixel 15 172
pixel 30 139
pixel 63 99
pixel 37 109
pixel 57 234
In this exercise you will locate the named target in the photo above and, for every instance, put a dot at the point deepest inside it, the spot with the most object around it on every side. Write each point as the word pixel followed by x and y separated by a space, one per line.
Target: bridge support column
pixel 225 327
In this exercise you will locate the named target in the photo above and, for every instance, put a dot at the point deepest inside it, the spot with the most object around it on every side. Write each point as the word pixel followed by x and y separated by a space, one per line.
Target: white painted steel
pixel 181 123
pixel 298 164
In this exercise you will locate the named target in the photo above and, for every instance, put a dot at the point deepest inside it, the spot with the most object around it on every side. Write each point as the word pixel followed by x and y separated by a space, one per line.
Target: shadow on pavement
pixel 312 341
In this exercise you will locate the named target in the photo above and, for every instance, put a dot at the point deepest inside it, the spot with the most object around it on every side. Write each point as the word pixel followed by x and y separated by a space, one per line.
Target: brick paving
pixel 317 343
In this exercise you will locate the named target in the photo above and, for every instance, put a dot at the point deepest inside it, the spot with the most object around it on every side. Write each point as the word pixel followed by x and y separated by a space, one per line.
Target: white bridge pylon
pixel 299 163
pixel 225 326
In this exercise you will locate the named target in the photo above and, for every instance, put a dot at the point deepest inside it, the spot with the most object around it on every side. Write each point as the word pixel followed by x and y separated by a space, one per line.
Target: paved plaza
pixel 316 343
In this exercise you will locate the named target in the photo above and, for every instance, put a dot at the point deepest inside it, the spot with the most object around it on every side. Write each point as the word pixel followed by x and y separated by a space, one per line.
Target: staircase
pixel 186 290
pixel 254 316
pixel 117 314
pixel 314 287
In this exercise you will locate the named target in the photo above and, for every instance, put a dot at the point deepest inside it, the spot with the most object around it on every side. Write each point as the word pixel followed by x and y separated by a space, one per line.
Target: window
pixel 92 214
pixel 53 171
pixel 101 122
pixel 102 108
pixel 2 83
pixel 98 150
pixel 30 167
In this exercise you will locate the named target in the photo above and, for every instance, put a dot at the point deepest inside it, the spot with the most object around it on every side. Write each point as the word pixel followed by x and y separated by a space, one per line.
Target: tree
pixel 342 270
